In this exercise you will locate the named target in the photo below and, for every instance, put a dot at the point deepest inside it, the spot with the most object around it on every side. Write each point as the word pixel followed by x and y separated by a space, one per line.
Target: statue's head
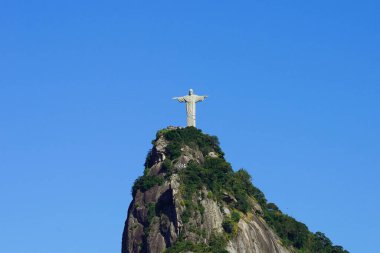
pixel 191 92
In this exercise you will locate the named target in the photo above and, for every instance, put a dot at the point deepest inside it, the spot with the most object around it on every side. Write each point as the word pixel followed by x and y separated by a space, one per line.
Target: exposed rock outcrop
pixel 170 213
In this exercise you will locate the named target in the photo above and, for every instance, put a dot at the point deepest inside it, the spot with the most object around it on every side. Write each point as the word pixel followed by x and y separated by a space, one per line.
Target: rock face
pixel 255 236
pixel 157 217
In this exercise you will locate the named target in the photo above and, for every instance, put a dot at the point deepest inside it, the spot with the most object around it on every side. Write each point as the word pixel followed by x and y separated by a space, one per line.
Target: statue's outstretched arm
pixel 180 99
pixel 200 98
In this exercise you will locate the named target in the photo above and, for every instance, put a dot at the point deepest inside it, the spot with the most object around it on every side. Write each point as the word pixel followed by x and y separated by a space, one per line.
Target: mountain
pixel 189 199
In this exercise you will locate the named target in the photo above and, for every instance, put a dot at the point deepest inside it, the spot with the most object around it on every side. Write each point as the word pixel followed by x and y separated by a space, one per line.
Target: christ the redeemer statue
pixel 190 100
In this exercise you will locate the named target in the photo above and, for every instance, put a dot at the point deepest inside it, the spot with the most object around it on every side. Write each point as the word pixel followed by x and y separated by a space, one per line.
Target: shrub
pixel 167 167
pixel 291 231
pixel 151 212
pixel 228 226
pixel 217 244
pixel 173 150
pixel 191 137
pixel 235 216
pixel 243 180
pixel 272 207
pixel 144 183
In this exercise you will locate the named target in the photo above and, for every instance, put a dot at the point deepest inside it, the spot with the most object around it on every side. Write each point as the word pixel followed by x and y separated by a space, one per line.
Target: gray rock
pixel 144 233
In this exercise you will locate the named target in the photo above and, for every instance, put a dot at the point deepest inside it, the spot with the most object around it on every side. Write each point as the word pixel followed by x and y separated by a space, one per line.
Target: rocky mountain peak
pixel 190 200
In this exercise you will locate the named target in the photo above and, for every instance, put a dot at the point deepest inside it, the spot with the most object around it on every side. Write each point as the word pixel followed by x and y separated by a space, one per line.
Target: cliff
pixel 190 200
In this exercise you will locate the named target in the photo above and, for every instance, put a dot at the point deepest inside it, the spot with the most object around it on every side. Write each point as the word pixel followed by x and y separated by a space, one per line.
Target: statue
pixel 190 100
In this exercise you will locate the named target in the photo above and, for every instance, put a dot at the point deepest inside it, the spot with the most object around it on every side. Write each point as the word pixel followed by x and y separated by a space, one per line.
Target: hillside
pixel 189 199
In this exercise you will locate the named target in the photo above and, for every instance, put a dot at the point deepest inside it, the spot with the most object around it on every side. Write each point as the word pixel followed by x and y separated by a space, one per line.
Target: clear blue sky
pixel 294 97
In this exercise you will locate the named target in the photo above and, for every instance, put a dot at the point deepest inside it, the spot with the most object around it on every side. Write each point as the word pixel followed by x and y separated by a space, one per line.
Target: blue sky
pixel 293 91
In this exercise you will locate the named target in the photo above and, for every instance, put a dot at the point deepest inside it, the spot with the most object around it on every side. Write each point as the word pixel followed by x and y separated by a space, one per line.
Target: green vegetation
pixel 218 177
pixel 192 137
pixel 296 234
pixel 145 182
pixel 224 185
pixel 235 216
pixel 230 224
pixel 320 243
pixel 151 212
pixel 167 167
pixel 217 244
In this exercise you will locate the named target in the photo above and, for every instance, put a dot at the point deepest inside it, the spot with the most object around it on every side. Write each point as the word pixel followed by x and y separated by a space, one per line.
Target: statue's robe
pixel 190 107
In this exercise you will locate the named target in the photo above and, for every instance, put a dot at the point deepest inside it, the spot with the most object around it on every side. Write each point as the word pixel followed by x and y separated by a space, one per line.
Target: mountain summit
pixel 191 200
